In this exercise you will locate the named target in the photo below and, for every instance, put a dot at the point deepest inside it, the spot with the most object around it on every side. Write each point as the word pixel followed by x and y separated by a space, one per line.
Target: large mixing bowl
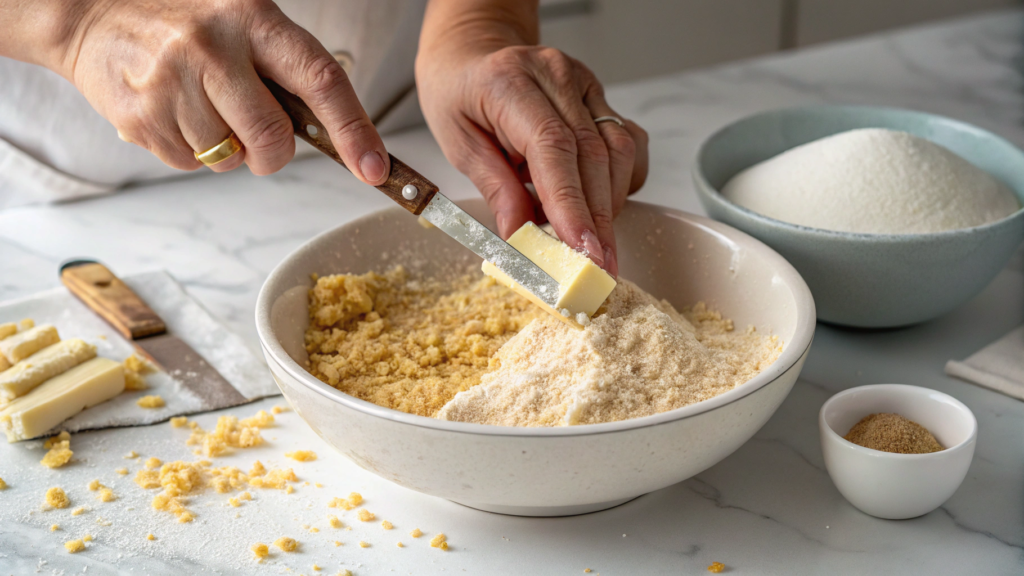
pixel 547 471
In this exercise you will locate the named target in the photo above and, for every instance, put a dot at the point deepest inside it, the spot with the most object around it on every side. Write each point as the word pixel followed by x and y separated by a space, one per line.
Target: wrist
pixel 44 32
pixel 466 29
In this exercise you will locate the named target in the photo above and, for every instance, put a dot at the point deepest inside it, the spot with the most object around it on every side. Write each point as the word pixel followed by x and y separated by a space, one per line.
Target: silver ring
pixel 615 119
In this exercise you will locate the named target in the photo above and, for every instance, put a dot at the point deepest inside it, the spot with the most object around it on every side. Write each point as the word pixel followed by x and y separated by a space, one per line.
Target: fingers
pixel 642 158
pixel 294 59
pixel 621 150
pixel 202 127
pixel 509 201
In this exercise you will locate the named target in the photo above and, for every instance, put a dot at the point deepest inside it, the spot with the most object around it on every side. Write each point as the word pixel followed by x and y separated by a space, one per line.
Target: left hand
pixel 523 114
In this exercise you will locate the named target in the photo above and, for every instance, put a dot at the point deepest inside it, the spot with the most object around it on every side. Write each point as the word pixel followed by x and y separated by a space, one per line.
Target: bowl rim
pixel 705 187
pixel 793 352
pixel 882 389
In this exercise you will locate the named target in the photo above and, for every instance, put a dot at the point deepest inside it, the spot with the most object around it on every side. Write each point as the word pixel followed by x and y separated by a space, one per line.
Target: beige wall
pixel 627 39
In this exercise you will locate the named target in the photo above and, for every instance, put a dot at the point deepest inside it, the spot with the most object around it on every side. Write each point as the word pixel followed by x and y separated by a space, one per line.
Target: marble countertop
pixel 770 508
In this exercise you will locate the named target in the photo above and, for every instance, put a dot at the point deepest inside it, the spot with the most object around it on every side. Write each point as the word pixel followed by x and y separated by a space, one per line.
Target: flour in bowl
pixel 637 357
pixel 872 181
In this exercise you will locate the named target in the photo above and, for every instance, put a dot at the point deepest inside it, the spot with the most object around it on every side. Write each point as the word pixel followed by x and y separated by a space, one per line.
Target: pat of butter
pixel 24 344
pixel 583 285
pixel 61 397
pixel 43 365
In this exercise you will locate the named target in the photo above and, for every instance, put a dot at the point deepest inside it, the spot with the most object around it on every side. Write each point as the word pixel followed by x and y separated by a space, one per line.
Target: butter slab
pixel 43 365
pixel 26 343
pixel 61 397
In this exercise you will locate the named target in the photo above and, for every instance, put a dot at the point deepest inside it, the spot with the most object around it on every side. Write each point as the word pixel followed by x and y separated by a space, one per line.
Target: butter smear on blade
pixel 583 285
pixel 61 397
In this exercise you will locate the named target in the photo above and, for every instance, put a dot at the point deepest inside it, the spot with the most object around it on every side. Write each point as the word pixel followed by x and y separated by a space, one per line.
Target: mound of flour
pixel 872 181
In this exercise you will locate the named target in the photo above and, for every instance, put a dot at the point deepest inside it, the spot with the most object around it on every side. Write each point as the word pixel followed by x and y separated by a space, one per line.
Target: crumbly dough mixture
pixel 637 357
pixel 476 352
pixel 409 344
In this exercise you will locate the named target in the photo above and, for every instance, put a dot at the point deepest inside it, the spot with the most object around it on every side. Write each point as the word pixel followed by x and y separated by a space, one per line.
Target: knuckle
pixel 553 134
pixel 591 146
pixel 567 195
pixel 323 76
pixel 602 217
pixel 622 146
pixel 269 134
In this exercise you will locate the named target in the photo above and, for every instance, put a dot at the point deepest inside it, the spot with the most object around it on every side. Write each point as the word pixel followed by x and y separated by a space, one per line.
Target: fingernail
pixel 592 248
pixel 611 263
pixel 372 166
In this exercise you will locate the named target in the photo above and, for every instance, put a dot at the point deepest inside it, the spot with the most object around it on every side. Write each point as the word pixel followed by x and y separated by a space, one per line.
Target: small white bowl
pixel 897 486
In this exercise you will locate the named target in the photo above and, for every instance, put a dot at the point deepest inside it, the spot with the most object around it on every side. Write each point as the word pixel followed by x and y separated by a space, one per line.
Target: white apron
pixel 54 146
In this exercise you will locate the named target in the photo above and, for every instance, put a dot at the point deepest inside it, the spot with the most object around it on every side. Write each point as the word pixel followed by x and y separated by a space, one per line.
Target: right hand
pixel 177 76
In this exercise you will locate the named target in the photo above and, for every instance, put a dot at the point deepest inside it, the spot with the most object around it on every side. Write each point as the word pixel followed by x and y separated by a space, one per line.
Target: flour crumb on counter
pixel 79 511
pixel 316 568
pixel 365 515
pixel 334 522
pixel 229 433
pixel 179 421
pixel 56 498
pixel 121 471
pixel 364 544
pixel 345 573
pixel 153 462
pixel 716 568
pixel 151 402
pixel 439 541
pixel 3 485
pixel 301 455
pixel 400 545
pixel 130 455
pixel 587 570
pixel 261 551
pixel 286 544
pixel 354 499
pixel 59 452
pixel 387 525
pixel 54 528
pixel 279 409
pixel 74 546
pixel 87 538
pixel 150 536
pixel 134 370
pixel 416 533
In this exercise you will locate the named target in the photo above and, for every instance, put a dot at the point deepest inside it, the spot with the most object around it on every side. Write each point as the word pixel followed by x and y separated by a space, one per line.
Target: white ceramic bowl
pixel 547 471
pixel 897 486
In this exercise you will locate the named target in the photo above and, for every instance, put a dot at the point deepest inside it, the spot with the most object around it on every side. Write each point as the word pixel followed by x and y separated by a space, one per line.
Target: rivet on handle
pixel 409 192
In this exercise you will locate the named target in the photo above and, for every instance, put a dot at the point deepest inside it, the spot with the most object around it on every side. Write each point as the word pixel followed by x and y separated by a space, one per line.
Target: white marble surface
pixel 768 509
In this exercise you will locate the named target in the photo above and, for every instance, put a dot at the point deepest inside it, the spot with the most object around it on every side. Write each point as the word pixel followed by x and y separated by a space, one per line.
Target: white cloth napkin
pixel 184 317
pixel 998 366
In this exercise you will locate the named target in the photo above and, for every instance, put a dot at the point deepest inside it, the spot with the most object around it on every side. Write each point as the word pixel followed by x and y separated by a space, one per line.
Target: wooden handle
pixel 112 299
pixel 311 130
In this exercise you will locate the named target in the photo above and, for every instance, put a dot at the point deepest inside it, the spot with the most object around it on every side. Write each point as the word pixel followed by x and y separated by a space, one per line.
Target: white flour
pixel 872 181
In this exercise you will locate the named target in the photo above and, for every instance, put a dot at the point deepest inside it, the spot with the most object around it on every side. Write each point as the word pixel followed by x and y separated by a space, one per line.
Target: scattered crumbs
pixel 56 498
pixel 387 525
pixel 122 471
pixel 316 568
pixel 106 495
pixel 54 528
pixel 153 462
pixel 716 567
pixel 354 499
pixel 179 421
pixel 337 543
pixel 345 573
pixel 301 455
pixel 400 545
pixel 439 541
pixel 3 485
pixel 234 502
pixel 261 550
pixel 416 533
pixel 78 511
pixel 87 538
pixel 318 485
pixel 74 546
pixel 151 402
pixel 314 529
pixel 150 536
pixel 134 368
pixel 95 485
pixel 279 409
pixel 587 570
pixel 102 522
pixel 60 451
pixel 365 515
pixel 286 544
pixel 364 544
pixel 289 489
pixel 132 454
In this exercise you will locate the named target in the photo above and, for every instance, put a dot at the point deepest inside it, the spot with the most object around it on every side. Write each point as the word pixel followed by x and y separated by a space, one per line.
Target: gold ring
pixel 220 152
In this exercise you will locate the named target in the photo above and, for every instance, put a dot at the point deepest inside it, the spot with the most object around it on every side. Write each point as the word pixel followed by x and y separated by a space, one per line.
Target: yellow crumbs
pixel 151 402
pixel 716 567
pixel 153 462
pixel 78 511
pixel 365 515
pixel 134 369
pixel 416 533
pixel 316 568
pixel 286 544
pixel 54 528
pixel 3 485
pixel 261 551
pixel 59 451
pixel 439 541
pixel 56 498
pixel 179 421
pixel 87 538
pixel 387 525
pixel 301 455
pixel 122 471
pixel 150 536
pixel 279 409
pixel 74 546
pixel 409 344
pixel 354 499
pixel 400 545
pixel 364 544
pixel 229 433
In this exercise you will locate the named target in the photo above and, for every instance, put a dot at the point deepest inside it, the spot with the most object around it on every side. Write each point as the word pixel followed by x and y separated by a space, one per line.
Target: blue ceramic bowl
pixel 869 280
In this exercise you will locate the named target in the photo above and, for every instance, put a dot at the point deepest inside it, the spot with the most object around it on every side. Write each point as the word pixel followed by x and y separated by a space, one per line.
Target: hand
pixel 177 76
pixel 524 114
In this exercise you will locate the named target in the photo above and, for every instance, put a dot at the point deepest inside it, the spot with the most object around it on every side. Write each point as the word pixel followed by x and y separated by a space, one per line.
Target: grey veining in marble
pixel 768 509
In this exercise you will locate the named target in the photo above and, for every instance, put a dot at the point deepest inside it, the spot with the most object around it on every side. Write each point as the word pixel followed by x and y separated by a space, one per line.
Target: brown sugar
pixel 893 433
pixel 405 343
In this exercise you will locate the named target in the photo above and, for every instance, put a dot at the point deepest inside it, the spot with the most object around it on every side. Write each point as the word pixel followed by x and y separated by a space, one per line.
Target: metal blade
pixel 455 222
pixel 185 365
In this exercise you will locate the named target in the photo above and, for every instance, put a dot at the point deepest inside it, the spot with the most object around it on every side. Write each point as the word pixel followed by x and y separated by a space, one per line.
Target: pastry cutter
pixel 421 197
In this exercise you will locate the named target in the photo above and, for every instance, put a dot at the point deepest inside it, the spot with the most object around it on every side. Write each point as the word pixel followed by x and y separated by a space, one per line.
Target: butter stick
pixel 61 397
pixel 583 285
pixel 43 365
pixel 26 343
pixel 8 329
